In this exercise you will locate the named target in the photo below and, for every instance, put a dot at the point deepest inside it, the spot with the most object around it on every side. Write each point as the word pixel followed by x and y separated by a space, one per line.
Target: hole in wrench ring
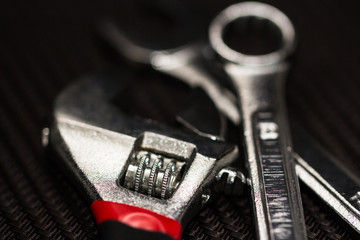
pixel 252 9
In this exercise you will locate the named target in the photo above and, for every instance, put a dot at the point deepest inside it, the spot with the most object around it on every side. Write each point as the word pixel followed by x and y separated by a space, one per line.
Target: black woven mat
pixel 46 45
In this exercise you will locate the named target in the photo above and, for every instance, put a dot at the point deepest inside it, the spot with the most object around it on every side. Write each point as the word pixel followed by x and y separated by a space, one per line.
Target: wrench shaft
pixel 275 187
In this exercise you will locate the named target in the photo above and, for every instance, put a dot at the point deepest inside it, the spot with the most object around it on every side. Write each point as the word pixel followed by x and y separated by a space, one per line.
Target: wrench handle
pixel 276 172
pixel 122 221
pixel 275 188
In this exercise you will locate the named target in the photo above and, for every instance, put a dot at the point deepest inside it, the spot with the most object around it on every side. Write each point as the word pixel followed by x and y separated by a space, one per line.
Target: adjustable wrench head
pixel 118 158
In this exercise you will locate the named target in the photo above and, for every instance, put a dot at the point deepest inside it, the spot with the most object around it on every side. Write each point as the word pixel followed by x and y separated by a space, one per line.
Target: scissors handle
pixel 259 80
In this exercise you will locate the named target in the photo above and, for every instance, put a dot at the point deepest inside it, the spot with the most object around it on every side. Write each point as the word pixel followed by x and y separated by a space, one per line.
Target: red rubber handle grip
pixel 136 217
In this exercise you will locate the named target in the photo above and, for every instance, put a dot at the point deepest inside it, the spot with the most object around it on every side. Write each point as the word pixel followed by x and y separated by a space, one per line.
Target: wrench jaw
pixel 185 63
pixel 112 158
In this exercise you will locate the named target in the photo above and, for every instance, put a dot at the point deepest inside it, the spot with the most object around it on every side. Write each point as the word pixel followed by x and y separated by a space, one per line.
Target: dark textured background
pixel 46 45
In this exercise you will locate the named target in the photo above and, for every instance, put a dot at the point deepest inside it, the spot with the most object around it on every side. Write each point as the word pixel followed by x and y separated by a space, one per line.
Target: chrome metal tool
pixel 143 180
pixel 98 143
pixel 260 82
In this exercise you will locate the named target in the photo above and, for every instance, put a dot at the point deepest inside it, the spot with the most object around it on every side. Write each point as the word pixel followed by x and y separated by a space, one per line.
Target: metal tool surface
pixel 260 81
pixel 260 85
pixel 155 170
pixel 143 179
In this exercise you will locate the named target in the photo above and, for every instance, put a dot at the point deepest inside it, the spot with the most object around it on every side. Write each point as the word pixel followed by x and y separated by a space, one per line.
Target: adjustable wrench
pixel 143 180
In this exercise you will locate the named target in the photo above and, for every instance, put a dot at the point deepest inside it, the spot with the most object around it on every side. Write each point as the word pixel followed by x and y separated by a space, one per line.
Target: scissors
pixel 85 119
pixel 259 83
